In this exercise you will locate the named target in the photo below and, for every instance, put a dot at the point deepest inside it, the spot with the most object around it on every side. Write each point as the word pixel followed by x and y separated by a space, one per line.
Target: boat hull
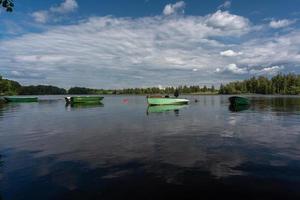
pixel 20 99
pixel 166 101
pixel 235 100
pixel 83 100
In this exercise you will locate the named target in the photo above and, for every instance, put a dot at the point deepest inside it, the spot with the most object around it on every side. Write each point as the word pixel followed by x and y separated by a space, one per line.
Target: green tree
pixel 8 5
pixel 8 87
pixel 41 90
pixel 204 88
pixel 279 84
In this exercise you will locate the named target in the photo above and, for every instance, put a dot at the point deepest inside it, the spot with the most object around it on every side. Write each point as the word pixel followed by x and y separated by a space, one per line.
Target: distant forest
pixel 279 84
pixel 141 91
pixel 9 87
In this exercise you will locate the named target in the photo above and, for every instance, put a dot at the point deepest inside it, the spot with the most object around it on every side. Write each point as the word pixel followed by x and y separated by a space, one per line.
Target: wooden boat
pixel 166 101
pixel 236 100
pixel 20 99
pixel 164 108
pixel 83 100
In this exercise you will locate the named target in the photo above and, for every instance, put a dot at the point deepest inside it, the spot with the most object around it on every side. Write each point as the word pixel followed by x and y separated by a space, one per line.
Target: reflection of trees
pixel 277 104
pixel 1 109
pixel 1 164
pixel 7 108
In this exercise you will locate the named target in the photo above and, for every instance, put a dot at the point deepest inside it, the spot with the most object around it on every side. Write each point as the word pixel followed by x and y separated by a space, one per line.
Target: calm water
pixel 122 150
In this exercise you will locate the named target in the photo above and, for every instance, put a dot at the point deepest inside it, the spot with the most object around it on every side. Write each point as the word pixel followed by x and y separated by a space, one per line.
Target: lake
pixel 124 150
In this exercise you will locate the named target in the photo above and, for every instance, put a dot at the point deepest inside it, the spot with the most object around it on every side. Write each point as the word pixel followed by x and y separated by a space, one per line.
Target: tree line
pixel 41 90
pixel 9 87
pixel 280 84
pixel 141 91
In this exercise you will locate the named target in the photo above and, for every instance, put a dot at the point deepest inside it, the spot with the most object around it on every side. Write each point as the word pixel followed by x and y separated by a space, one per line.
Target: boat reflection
pixel 2 101
pixel 238 108
pixel 83 105
pixel 279 105
pixel 165 108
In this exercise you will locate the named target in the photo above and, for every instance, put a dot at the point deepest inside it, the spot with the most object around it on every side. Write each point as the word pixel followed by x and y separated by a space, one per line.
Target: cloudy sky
pixel 140 43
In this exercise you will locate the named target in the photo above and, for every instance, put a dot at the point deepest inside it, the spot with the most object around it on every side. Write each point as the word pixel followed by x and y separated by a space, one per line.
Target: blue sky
pixel 141 43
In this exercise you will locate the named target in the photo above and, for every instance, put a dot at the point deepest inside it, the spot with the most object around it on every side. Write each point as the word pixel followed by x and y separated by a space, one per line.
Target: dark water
pixel 122 150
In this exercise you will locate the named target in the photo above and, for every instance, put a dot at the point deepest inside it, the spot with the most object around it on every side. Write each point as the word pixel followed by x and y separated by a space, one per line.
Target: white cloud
pixel 267 70
pixel 174 8
pixel 65 7
pixel 227 21
pixel 16 73
pixel 225 5
pixel 230 53
pixel 23 74
pixel 128 52
pixel 39 58
pixel 281 23
pixel 40 16
pixel 233 68
pixel 268 51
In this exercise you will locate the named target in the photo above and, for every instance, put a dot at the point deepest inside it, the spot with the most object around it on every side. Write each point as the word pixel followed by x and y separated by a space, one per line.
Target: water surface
pixel 124 150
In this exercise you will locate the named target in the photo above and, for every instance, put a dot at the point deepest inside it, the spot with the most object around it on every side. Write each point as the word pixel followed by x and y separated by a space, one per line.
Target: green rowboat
pixel 20 99
pixel 83 100
pixel 166 101
pixel 235 100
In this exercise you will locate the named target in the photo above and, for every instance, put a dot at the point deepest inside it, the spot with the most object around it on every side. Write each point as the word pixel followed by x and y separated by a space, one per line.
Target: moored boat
pixel 236 100
pixel 152 101
pixel 20 99
pixel 83 99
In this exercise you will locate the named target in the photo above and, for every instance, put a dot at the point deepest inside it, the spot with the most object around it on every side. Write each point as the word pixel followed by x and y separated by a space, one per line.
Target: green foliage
pixel 8 87
pixel 143 91
pixel 280 84
pixel 81 90
pixel 8 5
pixel 41 90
